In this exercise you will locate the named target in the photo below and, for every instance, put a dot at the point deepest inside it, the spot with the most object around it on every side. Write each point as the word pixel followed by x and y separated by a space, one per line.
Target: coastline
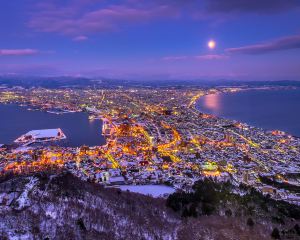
pixel 61 120
pixel 200 108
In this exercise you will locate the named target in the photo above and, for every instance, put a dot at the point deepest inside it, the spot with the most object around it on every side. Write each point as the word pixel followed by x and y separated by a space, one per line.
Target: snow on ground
pixel 23 200
pixel 152 190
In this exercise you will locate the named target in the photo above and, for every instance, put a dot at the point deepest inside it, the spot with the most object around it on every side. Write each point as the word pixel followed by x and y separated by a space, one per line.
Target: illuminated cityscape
pixel 157 136
pixel 150 120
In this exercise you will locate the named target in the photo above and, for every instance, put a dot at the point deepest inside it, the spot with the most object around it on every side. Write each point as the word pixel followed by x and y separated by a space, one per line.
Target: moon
pixel 211 44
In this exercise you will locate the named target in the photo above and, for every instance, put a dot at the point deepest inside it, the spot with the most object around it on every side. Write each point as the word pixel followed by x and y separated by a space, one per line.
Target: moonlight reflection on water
pixel 269 109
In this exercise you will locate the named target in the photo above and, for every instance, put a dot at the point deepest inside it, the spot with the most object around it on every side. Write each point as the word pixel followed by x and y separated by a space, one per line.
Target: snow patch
pixel 23 200
pixel 150 190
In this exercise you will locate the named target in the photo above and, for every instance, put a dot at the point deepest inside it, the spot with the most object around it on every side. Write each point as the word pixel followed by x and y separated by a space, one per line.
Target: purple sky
pixel 152 39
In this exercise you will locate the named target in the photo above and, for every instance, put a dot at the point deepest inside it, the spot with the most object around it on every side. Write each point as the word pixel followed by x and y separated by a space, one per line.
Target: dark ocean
pixel 16 120
pixel 268 109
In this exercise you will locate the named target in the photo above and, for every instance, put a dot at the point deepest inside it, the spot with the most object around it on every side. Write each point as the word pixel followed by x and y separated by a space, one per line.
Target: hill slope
pixel 61 206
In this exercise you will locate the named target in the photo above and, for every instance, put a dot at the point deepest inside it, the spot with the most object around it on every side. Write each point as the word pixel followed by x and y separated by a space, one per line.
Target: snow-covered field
pixel 152 190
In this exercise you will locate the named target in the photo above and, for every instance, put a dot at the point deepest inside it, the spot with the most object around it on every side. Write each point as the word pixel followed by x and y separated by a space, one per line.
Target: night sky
pixel 152 39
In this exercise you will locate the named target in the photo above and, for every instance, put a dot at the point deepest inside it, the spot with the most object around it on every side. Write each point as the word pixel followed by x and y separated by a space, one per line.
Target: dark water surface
pixel 269 109
pixel 16 120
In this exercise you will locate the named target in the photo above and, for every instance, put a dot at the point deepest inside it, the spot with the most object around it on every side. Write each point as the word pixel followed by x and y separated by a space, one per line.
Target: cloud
pixel 174 58
pixel 211 57
pixel 31 69
pixel 285 43
pixel 257 6
pixel 198 57
pixel 76 21
pixel 83 17
pixel 80 38
pixel 206 7
pixel 18 52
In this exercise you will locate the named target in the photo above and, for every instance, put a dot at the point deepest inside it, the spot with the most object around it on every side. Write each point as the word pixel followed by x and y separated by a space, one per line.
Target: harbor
pixel 20 120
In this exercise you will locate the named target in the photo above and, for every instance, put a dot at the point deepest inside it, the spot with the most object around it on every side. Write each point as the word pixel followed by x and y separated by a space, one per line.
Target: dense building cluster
pixel 158 136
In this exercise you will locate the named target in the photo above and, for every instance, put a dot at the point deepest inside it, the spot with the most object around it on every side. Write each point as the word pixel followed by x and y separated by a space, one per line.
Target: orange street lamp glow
pixel 211 44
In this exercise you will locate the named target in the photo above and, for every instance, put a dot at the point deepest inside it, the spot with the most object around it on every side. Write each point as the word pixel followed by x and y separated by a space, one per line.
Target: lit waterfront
pixel 79 130
pixel 156 136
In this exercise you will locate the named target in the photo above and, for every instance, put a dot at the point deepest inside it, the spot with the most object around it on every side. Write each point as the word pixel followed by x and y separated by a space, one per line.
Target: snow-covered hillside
pixel 63 207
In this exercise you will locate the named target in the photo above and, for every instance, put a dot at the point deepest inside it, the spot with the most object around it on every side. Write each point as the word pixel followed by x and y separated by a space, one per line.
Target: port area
pixel 40 136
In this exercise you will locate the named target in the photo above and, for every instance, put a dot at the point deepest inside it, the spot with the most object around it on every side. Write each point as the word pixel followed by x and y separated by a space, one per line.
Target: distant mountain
pixel 46 82
pixel 100 82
